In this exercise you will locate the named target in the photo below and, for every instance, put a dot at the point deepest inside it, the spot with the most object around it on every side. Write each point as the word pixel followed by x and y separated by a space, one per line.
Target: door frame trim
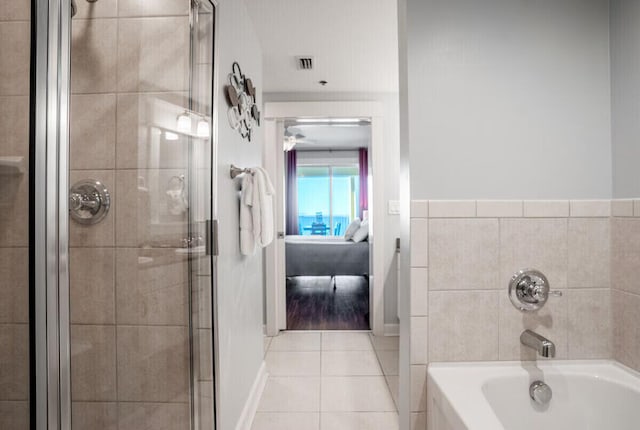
pixel 275 113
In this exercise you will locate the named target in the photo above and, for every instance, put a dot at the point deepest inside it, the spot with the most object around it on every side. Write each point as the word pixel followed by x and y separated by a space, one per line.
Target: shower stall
pixel 107 244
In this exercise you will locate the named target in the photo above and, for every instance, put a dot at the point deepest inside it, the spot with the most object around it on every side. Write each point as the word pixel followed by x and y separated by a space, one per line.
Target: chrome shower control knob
pixel 89 201
pixel 529 290
pixel 540 392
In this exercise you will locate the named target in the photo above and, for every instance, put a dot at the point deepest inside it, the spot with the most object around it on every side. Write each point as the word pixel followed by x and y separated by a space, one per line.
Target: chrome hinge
pixel 212 237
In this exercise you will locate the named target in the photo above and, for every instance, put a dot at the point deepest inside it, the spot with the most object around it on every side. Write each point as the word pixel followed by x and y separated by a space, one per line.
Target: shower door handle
pixel 212 237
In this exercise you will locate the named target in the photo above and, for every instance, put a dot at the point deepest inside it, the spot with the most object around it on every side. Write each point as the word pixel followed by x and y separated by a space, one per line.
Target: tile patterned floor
pixel 325 381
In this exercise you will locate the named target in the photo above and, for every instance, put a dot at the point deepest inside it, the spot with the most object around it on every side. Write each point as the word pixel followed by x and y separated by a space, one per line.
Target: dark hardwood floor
pixel 313 303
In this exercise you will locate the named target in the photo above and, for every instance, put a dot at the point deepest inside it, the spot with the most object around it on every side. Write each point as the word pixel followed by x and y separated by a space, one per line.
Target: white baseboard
pixel 392 329
pixel 251 406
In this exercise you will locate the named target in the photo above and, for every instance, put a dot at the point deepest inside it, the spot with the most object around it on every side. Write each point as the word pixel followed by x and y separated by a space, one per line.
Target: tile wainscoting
pixel 463 254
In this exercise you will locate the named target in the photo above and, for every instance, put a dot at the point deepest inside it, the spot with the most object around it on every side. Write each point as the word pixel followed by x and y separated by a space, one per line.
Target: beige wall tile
pixel 14 285
pixel 636 207
pixel 452 208
pixel 92 285
pixel 151 287
pixel 14 210
pixel 153 54
pixel 101 234
pixel 590 328
pixel 418 421
pixel 626 328
pixel 93 131
pixel 15 10
pixel 15 53
pixel 590 208
pixel 14 415
pixel 94 55
pixel 154 8
pixel 622 207
pixel 419 242
pixel 143 217
pixel 14 124
pixel 463 325
pixel 156 416
pixel 138 147
pixel 419 340
pixel 418 388
pixel 153 364
pixel 419 291
pixel 14 356
pixel 463 254
pixel 204 358
pixel 419 208
pixel 550 322
pixel 94 415
pixel 625 254
pixel 589 252
pixel 534 243
pixel 546 208
pixel 499 208
pixel 98 9
pixel 93 362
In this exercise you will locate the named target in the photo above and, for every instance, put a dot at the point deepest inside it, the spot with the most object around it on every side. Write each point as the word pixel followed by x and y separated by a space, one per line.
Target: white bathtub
pixel 587 395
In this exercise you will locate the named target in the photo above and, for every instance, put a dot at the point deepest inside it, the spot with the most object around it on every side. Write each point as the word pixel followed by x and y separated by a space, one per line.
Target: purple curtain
pixel 363 162
pixel 292 193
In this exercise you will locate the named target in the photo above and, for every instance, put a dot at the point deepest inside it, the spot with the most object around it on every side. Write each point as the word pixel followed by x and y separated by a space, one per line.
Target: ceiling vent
pixel 304 62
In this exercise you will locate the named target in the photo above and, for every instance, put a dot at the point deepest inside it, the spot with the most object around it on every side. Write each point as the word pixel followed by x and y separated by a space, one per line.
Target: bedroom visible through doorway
pixel 327 247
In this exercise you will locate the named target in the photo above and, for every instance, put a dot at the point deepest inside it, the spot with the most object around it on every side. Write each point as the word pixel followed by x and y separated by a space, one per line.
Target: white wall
pixel 509 99
pixel 392 187
pixel 240 279
pixel 625 97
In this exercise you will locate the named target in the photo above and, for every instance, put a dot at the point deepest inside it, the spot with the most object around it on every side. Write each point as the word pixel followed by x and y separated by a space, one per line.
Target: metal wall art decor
pixel 241 95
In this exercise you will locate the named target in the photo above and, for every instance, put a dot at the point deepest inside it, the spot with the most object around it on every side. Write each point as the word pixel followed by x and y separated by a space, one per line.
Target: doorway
pixel 279 116
pixel 327 248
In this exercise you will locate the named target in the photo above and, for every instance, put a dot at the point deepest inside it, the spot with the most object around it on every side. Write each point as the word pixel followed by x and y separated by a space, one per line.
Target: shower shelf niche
pixel 12 165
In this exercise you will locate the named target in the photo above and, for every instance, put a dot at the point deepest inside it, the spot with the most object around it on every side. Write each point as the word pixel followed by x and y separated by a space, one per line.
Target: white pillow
pixel 362 233
pixel 353 227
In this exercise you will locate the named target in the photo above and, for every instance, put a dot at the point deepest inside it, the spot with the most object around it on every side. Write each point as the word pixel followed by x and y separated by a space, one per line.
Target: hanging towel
pixel 262 210
pixel 247 240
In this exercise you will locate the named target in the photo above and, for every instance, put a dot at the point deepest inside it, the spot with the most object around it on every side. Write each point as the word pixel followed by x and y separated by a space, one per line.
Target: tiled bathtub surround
pixel 625 284
pixel 463 256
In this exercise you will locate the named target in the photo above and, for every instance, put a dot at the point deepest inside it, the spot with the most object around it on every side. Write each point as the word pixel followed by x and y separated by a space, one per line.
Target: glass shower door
pixel 140 262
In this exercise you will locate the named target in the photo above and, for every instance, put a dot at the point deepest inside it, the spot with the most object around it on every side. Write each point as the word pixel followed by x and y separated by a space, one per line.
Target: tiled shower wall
pixel 625 281
pixel 129 290
pixel 14 237
pixel 463 254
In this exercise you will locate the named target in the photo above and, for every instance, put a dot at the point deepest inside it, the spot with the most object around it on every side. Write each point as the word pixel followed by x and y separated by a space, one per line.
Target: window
pixel 327 199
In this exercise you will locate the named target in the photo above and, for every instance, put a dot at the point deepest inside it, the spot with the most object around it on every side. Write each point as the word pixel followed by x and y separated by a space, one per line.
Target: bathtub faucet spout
pixel 544 346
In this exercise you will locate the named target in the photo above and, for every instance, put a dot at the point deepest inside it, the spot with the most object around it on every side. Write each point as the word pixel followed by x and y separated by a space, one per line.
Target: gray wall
pixel 240 279
pixel 625 97
pixel 392 166
pixel 509 99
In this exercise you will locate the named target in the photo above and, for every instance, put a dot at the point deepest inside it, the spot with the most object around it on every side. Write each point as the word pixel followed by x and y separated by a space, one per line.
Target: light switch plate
pixel 394 207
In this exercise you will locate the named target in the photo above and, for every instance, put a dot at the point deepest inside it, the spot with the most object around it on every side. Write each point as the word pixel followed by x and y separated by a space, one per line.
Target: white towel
pixel 256 211
pixel 263 219
pixel 247 241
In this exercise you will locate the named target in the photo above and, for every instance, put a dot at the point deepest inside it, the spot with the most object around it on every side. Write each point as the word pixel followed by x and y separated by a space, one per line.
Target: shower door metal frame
pixel 49 228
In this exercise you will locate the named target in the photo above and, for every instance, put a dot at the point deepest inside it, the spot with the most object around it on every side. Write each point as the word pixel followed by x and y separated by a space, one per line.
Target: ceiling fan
pixel 292 137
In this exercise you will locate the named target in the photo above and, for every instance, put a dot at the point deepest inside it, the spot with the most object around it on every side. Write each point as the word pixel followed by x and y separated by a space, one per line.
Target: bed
pixel 325 256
